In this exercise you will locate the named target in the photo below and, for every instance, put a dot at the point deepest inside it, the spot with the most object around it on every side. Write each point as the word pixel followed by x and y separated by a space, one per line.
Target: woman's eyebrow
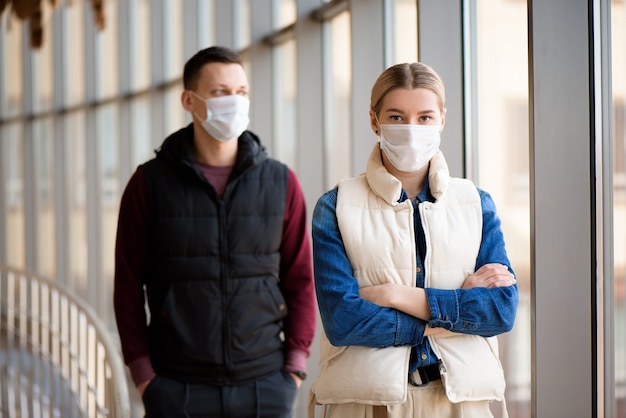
pixel 394 110
pixel 422 112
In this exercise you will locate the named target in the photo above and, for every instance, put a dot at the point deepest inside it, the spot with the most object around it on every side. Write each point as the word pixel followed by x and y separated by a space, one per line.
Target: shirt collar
pixel 423 196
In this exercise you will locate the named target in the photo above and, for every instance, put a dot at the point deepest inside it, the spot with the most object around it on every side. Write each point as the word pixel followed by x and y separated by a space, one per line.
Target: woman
pixel 412 277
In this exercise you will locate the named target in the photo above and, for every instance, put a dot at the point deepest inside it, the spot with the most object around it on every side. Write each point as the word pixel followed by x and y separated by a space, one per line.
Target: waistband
pixel 423 375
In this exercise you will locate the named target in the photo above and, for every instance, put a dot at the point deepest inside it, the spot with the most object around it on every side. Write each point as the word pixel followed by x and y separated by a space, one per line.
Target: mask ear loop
pixel 379 133
pixel 208 112
pixel 379 128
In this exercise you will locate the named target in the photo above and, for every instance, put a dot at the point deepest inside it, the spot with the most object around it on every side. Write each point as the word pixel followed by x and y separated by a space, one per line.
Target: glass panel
pixel 174 112
pixel 173 47
pixel 11 158
pixel 206 26
pixel 140 44
pixel 405 31
pixel 74 53
pixel 242 24
pixel 77 195
pixel 43 141
pixel 284 13
pixel 110 194
pixel 142 149
pixel 284 147
pixel 43 83
pixel 503 166
pixel 11 68
pixel 618 60
pixel 107 53
pixel 338 93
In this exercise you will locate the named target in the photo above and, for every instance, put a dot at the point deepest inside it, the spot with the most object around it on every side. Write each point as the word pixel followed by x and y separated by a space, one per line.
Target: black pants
pixel 272 396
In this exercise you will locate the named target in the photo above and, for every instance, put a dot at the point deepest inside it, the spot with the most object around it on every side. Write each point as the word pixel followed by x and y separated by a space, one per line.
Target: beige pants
pixel 428 401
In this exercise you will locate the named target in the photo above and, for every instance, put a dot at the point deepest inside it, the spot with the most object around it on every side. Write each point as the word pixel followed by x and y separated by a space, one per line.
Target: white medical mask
pixel 226 116
pixel 409 147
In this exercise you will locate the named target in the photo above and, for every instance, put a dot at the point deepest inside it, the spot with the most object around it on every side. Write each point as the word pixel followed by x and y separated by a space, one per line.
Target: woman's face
pixel 418 106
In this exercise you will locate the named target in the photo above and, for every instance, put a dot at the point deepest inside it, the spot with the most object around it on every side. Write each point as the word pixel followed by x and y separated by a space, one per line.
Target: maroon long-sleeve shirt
pixel 296 275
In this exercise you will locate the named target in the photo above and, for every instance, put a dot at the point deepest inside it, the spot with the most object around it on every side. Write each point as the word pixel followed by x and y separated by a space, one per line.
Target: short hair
pixel 409 76
pixel 205 56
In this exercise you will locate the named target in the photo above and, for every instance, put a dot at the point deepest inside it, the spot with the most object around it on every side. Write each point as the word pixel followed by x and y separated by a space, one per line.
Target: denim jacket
pixel 351 321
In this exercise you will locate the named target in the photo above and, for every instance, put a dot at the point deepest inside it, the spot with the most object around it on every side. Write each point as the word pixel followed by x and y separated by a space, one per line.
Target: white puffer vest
pixel 378 233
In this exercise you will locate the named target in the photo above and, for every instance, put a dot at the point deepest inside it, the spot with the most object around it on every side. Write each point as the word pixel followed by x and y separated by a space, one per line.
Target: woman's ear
pixel 374 122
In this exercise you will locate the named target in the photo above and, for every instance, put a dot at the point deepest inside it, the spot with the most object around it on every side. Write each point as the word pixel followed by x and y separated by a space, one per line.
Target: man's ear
pixel 187 101
pixel 443 119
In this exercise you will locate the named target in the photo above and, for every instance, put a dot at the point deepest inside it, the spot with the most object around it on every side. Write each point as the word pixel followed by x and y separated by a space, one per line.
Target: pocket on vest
pixel 472 368
pixel 375 376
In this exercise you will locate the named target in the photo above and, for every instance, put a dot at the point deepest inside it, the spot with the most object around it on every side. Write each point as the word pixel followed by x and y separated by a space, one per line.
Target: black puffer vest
pixel 213 266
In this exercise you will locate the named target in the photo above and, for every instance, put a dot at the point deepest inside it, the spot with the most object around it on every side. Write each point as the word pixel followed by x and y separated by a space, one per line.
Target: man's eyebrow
pixel 243 86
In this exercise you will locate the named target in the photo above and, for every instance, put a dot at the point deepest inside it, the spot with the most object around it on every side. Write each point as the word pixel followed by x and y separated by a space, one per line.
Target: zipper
pixel 442 367
pixel 423 207
pixel 224 274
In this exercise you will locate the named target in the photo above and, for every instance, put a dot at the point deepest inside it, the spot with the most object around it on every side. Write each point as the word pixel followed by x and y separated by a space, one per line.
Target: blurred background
pixel 536 106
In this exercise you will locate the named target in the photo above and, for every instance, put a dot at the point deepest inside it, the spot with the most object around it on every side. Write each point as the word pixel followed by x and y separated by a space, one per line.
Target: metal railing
pixel 56 357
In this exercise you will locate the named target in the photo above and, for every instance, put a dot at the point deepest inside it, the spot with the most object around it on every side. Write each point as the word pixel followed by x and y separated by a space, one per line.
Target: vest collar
pixel 389 188
pixel 438 175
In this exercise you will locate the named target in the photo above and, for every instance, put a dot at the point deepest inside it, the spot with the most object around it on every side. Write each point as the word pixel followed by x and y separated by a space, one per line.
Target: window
pixel 503 167
pixel 618 59
pixel 337 109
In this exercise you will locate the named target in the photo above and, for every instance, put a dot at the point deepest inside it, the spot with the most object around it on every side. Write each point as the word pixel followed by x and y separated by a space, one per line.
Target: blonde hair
pixel 409 76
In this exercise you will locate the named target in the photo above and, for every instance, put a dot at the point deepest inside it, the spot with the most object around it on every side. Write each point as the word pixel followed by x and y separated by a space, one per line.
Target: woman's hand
pixel 489 275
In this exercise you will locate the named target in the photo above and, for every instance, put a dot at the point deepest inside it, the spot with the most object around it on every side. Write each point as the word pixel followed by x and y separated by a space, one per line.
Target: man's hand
pixel 297 379
pixel 142 387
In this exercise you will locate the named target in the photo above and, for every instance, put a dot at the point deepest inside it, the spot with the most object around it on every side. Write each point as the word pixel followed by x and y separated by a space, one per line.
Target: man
pixel 215 232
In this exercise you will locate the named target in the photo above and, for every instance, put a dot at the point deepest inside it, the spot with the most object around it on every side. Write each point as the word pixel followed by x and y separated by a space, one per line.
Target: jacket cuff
pixel 444 308
pixel 295 361
pixel 141 370
pixel 409 331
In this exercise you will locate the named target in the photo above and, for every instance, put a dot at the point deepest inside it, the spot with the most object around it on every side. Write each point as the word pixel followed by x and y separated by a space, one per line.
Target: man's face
pixel 218 79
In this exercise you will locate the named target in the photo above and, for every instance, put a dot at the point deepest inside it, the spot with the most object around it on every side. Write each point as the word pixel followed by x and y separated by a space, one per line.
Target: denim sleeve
pixel 348 319
pixel 478 311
